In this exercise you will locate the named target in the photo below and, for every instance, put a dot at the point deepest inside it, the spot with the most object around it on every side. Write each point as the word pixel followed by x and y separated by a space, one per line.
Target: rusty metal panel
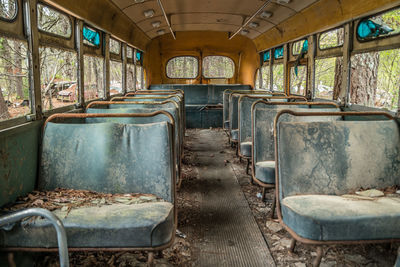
pixel 19 148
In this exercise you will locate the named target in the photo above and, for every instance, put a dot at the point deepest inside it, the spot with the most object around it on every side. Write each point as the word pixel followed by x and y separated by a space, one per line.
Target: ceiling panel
pixel 198 18
pixel 213 15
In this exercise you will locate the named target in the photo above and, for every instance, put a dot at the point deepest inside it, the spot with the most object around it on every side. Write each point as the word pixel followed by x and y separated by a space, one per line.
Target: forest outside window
pixel 130 78
pixel 265 78
pixel 277 76
pixel 186 67
pixel 375 79
pixel 53 22
pixel 115 77
pixel 93 71
pixel 139 73
pixel 115 46
pixel 331 39
pixel 218 67
pixel 58 69
pixel 328 77
pixel 14 79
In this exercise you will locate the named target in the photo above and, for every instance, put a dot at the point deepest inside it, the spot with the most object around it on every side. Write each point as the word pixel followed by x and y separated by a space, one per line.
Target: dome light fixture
pixel 148 13
pixel 254 24
pixel 266 14
pixel 156 24
pixel 160 32
pixel 283 1
pixel 244 32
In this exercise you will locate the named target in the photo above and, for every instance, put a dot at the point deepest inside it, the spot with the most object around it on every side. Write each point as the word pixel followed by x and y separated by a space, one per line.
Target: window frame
pixel 17 10
pixel 331 30
pixel 357 24
pixel 71 37
pixel 198 67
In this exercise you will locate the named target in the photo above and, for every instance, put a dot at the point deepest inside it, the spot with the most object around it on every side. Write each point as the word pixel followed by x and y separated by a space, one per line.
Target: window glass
pixel 331 39
pixel 139 73
pixel 115 46
pixel 266 56
pixel 54 22
pixel 278 52
pixel 218 67
pixel 130 77
pixel 265 72
pixel 298 80
pixel 375 79
pixel 278 78
pixel 129 52
pixel 94 86
pixel 139 56
pixel 328 77
pixel 115 77
pixel 183 67
pixel 300 46
pixel 382 25
pixel 91 37
pixel 8 9
pixel 14 81
pixel 58 69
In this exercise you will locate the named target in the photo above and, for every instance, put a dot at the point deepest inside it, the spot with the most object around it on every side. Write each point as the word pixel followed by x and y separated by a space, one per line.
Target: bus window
pixel 139 73
pixel 300 46
pixel 94 87
pixel 130 77
pixel 331 39
pixel 298 80
pixel 328 76
pixel 53 22
pixel 8 10
pixel 115 46
pixel 14 81
pixel 375 79
pixel 186 67
pixel 91 37
pixel 115 77
pixel 277 76
pixel 218 67
pixel 378 26
pixel 58 69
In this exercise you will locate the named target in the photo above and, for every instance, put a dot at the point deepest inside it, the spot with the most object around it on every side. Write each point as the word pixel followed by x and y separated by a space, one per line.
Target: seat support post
pixel 150 259
pixel 317 260
pixel 273 206
pixel 292 246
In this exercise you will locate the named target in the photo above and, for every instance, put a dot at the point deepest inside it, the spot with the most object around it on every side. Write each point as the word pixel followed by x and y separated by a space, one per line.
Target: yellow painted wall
pixel 200 44
pixel 322 15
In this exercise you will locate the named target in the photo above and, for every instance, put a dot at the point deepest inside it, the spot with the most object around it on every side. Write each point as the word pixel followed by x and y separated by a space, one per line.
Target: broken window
pixel 298 80
pixel 58 69
pixel 300 47
pixel 115 77
pixel 278 78
pixel 278 52
pixel 382 25
pixel 115 46
pixel 91 37
pixel 130 77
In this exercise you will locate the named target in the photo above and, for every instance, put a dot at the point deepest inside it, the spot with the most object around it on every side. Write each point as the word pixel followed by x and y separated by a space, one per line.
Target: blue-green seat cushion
pixel 330 217
pixel 235 135
pixel 226 124
pixel 245 149
pixel 116 225
pixel 265 171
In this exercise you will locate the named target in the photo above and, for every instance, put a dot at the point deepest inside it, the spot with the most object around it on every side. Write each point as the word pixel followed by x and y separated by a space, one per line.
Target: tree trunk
pixel 337 84
pixel 364 78
pixel 17 70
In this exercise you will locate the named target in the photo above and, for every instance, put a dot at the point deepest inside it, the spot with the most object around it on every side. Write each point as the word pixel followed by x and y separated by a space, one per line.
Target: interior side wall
pixel 200 44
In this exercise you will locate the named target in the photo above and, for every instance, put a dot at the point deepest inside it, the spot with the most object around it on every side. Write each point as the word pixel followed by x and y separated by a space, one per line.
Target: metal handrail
pixel 54 220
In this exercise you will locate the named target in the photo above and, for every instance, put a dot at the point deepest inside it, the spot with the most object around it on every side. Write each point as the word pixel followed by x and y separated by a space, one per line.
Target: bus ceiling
pixel 267 23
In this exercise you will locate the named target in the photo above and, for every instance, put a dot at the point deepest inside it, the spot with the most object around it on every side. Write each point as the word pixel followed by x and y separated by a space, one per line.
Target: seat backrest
pixel 263 126
pixel 337 157
pixel 109 157
pixel 244 117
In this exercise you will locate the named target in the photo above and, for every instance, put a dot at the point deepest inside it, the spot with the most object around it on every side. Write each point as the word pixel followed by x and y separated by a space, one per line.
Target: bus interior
pixel 199 133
